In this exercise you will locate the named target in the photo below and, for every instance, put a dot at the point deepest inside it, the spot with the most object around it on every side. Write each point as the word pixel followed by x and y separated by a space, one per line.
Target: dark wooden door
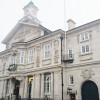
pixel 90 91
pixel 72 96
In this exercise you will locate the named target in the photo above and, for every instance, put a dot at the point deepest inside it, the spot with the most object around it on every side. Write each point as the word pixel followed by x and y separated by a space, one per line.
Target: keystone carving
pixel 87 73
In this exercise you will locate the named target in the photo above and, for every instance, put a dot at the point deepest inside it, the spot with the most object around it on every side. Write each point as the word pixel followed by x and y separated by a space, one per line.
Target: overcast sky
pixel 51 13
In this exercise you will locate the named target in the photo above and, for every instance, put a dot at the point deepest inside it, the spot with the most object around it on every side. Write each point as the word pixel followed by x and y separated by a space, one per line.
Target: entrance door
pixel 90 91
pixel 72 96
pixel 16 90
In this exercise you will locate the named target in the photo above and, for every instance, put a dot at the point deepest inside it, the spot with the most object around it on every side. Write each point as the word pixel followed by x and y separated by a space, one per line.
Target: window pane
pixel 47 83
pixel 83 49
pixel 87 48
pixel 71 80
pixel 82 36
pixel 86 36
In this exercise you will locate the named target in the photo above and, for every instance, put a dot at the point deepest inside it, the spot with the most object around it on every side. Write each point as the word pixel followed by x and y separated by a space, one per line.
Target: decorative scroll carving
pixel 38 56
pixel 56 45
pixel 87 73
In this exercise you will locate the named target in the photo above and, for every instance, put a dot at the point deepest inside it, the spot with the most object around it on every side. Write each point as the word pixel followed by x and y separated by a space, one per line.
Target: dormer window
pixel 84 36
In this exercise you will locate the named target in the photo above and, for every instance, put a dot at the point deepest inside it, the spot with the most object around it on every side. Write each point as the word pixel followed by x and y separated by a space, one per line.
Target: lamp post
pixel 30 84
pixel 61 38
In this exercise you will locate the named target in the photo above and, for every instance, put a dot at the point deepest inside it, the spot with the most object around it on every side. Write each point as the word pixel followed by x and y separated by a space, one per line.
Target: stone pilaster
pixel 52 85
pixel 42 85
pixel 26 86
pixel 4 89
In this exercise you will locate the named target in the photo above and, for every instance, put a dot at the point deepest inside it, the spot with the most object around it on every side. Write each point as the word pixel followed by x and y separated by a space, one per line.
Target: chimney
pixel 71 24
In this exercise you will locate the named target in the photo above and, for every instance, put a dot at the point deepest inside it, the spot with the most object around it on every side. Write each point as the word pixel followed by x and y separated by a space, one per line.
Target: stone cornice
pixel 82 64
pixel 85 26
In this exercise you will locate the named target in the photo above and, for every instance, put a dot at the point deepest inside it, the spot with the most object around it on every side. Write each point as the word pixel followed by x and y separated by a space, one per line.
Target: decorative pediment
pixel 25 21
pixel 29 20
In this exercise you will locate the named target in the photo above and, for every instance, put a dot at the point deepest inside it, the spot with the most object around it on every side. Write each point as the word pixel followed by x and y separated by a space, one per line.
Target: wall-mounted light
pixel 69 91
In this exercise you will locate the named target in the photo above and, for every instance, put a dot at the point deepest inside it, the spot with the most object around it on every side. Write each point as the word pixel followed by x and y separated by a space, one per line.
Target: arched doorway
pixel 89 91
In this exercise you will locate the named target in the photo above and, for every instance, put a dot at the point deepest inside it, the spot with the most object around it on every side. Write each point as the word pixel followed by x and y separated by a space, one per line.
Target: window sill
pixel 71 84
pixel 47 94
pixel 84 54
pixel 45 59
pixel 84 41
pixel 30 63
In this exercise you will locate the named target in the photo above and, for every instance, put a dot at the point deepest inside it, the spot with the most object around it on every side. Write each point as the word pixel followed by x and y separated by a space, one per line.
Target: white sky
pixel 51 13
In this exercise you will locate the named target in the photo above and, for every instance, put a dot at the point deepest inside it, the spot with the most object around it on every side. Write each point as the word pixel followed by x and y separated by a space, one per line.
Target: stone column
pixel 22 83
pixel 52 84
pixel 42 85
pixel 33 86
pixel 26 86
pixel 4 89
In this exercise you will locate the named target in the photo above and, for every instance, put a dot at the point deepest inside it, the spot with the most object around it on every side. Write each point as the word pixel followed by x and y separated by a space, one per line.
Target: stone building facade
pixel 33 51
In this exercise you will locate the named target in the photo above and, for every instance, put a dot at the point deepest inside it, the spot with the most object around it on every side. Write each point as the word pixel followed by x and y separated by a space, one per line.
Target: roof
pixel 26 21
pixel 84 26
pixel 30 4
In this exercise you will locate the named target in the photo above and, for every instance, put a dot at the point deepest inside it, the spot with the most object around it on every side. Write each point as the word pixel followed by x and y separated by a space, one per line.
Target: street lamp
pixel 61 38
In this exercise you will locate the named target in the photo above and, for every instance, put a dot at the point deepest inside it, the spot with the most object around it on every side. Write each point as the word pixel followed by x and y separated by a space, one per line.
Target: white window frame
pixel 30 56
pixel 22 57
pixel 83 35
pixel 85 49
pixel 47 51
pixel 71 82
pixel 70 54
pixel 47 83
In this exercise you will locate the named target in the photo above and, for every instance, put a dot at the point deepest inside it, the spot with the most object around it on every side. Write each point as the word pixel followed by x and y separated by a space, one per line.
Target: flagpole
pixel 65 23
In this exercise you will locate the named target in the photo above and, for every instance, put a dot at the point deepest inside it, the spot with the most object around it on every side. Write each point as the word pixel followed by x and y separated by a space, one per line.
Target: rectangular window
pixel 30 56
pixel 85 49
pixel 70 56
pixel 84 36
pixel 14 60
pixel 22 56
pixel 9 61
pixel 47 51
pixel 71 80
pixel 47 83
pixel 7 86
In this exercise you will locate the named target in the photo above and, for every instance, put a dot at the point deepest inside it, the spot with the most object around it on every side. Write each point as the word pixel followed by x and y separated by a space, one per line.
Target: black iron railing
pixel 68 58
pixel 12 67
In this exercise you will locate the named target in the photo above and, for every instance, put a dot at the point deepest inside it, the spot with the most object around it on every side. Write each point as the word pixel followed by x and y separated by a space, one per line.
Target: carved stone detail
pixel 56 45
pixel 19 78
pixel 87 73
pixel 38 49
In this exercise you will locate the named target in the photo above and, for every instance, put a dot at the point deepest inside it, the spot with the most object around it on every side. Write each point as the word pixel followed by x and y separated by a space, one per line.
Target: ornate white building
pixel 33 51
